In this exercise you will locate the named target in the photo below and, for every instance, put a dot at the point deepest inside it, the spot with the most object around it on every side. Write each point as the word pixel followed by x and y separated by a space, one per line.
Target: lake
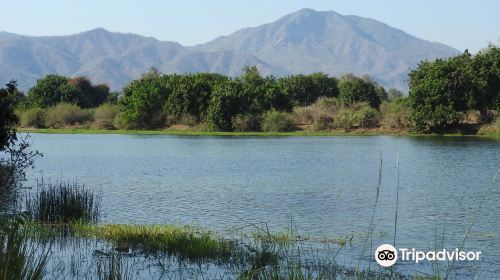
pixel 324 186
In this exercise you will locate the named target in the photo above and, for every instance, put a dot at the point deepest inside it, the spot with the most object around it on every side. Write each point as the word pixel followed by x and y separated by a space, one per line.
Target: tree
pixel 8 119
pixel 191 94
pixel 353 89
pixel 486 66
pixel 142 102
pixel 304 90
pixel 51 90
pixel 91 96
pixel 441 91
pixel 224 104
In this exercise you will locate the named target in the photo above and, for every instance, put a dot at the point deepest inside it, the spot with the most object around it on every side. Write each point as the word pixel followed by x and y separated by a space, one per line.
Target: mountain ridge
pixel 302 42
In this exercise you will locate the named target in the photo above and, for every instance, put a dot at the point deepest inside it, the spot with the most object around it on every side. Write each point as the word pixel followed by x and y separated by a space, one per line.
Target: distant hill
pixel 302 42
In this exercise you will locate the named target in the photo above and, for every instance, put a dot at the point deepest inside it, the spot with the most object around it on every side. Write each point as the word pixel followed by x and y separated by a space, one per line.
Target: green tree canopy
pixel 353 89
pixel 440 91
pixel 303 90
pixel 143 101
pixel 54 89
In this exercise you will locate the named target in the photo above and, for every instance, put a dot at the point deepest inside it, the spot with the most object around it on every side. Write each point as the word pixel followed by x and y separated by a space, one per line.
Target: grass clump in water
pixel 63 203
pixel 183 242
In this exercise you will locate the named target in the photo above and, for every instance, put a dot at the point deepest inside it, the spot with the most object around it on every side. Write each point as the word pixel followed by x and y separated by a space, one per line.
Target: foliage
pixel 63 203
pixel 20 258
pixel 224 105
pixel 51 90
pixel 91 96
pixel 303 90
pixel 54 89
pixel 8 118
pixel 440 92
pixel 274 121
pixel 366 117
pixel 396 113
pixel 105 115
pixel 486 65
pixel 353 89
pixel 246 123
pixel 443 91
pixel 64 114
pixel 181 241
pixel 142 102
pixel 32 117
pixel 190 94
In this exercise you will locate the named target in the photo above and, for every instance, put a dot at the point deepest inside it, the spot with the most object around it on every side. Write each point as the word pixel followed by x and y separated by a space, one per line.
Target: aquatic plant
pixel 63 203
pixel 19 257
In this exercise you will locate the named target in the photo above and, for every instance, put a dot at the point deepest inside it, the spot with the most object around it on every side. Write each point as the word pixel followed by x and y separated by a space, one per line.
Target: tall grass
pixel 63 203
pixel 183 242
pixel 20 257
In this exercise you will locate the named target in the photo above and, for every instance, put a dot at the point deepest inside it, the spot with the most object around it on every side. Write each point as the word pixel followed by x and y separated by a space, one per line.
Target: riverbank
pixel 187 132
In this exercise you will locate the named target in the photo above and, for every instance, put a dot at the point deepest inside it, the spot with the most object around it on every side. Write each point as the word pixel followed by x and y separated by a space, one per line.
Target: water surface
pixel 325 185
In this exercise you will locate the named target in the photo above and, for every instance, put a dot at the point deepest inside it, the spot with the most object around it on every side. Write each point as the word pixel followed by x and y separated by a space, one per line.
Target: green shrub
pixel 33 117
pixel 274 121
pixel 367 117
pixel 243 123
pixel 345 119
pixel 395 113
pixel 105 115
pixel 64 114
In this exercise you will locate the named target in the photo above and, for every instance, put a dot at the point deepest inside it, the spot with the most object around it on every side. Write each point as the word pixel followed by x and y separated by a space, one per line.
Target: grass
pixel 18 255
pixel 300 133
pixel 63 203
pixel 184 242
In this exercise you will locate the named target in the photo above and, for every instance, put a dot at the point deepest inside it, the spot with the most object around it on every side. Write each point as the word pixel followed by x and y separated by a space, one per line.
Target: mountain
pixel 303 42
pixel 310 41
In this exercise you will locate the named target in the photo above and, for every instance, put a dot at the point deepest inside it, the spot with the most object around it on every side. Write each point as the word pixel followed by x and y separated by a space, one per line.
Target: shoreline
pixel 300 133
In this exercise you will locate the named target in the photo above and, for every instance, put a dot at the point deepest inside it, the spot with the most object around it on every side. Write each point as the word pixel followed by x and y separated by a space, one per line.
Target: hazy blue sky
pixel 458 23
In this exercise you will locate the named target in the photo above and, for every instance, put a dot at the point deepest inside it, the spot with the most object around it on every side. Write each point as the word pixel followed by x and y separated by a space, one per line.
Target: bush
pixel 395 113
pixel 184 119
pixel 367 117
pixel 33 117
pixel 327 104
pixel 105 115
pixel 323 122
pixel 492 128
pixel 274 121
pixel 64 114
pixel 245 123
pixel 345 119
pixel 303 115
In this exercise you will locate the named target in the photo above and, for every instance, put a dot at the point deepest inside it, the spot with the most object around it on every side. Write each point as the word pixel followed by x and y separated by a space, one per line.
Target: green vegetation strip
pixel 185 242
pixel 241 134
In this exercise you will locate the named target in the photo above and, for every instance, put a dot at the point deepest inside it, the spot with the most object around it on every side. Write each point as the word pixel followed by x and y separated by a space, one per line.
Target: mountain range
pixel 302 42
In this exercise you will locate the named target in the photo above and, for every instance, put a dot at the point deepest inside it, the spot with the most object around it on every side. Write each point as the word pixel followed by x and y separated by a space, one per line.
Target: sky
pixel 458 23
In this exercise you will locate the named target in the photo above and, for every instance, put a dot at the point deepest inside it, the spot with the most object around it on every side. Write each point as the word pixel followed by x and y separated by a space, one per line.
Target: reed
pixel 63 203
pixel 19 257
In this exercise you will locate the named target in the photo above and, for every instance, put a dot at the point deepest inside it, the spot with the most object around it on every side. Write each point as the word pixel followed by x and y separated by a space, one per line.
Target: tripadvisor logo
pixel 386 255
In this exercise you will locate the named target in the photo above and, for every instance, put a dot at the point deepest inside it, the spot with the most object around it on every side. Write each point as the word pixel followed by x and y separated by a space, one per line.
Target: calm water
pixel 326 185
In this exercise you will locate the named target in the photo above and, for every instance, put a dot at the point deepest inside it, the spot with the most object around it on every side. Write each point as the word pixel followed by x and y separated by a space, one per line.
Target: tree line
pixel 441 93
